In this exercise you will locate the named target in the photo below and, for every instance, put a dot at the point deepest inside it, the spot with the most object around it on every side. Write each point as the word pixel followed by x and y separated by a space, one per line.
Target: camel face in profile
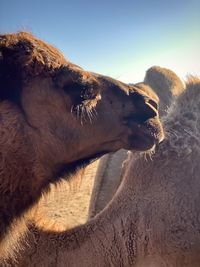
pixel 55 117
pixel 83 113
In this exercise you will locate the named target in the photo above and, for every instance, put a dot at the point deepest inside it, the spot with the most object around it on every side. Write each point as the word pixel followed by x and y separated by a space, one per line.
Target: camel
pixel 167 86
pixel 56 117
pixel 66 210
pixel 153 220
pixel 104 175
pixel 70 213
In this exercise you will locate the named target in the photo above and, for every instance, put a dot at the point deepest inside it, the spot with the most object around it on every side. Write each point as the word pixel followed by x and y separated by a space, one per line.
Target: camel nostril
pixel 150 110
pixel 146 108
pixel 153 104
pixel 143 114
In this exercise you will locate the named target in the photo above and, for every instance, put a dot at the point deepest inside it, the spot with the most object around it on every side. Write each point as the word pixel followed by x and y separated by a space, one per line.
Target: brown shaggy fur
pixel 54 118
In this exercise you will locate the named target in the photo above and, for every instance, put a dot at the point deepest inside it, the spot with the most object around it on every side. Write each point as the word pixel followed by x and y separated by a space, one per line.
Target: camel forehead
pixel 107 81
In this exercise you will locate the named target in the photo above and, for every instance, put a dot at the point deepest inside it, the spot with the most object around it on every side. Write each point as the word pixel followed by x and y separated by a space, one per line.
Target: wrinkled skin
pixel 56 117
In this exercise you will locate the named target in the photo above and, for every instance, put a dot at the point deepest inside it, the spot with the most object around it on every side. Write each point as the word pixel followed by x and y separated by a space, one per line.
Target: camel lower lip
pixel 142 143
pixel 144 136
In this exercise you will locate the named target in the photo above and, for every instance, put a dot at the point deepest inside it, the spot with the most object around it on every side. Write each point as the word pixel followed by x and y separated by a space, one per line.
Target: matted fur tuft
pixel 184 116
pixel 189 100
pixel 32 54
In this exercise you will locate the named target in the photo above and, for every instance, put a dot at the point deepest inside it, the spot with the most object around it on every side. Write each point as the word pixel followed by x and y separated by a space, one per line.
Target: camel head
pixel 72 114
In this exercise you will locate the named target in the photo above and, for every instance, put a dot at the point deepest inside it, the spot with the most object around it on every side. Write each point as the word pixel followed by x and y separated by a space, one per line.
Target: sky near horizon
pixel 121 39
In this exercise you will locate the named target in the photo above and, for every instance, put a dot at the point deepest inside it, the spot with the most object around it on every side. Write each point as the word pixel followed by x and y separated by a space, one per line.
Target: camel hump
pixel 163 80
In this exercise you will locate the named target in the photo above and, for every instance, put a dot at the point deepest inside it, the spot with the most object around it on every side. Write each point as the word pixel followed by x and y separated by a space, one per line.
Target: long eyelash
pixel 84 113
pixel 78 112
pixel 89 115
pixel 94 112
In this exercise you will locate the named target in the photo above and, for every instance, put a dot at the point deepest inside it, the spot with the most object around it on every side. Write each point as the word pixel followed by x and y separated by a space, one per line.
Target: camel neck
pixel 18 182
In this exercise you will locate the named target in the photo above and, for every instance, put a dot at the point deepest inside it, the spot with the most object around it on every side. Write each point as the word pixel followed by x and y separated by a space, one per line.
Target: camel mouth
pixel 144 135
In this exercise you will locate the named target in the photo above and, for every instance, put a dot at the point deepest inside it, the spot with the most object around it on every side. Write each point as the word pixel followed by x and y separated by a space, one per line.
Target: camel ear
pixel 80 85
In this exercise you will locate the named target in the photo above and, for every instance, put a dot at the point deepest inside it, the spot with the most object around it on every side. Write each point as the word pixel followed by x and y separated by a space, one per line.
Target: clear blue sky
pixel 121 39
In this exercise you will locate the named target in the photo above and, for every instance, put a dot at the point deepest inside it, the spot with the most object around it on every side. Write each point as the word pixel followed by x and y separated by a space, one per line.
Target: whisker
pixel 91 115
pixel 81 114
